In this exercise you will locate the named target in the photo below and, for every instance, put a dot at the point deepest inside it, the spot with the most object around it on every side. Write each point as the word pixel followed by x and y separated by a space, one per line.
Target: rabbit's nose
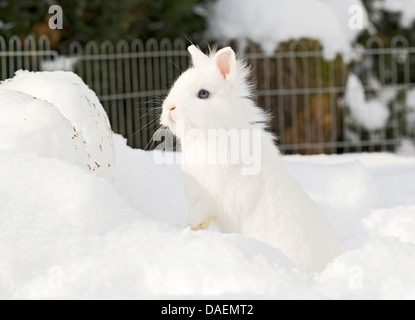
pixel 171 110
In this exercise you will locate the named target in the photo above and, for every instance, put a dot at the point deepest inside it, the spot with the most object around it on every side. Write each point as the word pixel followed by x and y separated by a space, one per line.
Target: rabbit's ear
pixel 226 62
pixel 198 57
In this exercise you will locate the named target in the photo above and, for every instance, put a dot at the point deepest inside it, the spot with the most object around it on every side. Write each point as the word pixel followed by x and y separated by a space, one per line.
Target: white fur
pixel 269 206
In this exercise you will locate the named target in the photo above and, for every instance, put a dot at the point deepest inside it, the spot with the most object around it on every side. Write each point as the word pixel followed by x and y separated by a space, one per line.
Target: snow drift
pixel 74 104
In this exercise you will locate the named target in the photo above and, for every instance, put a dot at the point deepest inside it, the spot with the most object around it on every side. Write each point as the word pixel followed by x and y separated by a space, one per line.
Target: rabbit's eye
pixel 203 94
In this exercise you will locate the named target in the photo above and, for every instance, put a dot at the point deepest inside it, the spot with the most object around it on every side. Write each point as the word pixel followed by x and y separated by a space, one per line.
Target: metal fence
pixel 297 85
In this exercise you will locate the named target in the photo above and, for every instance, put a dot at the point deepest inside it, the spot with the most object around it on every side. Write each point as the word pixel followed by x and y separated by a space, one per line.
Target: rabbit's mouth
pixel 167 121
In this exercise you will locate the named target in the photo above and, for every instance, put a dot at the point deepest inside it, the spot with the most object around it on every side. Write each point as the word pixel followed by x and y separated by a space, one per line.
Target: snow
pixel 329 21
pixel 371 114
pixel 396 222
pixel 406 8
pixel 74 236
pixel 79 105
pixel 68 233
pixel 5 26
pixel 61 63
pixel 406 147
pixel 31 125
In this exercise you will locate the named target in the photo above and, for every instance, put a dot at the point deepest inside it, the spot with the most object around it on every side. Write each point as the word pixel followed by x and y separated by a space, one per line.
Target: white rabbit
pixel 270 206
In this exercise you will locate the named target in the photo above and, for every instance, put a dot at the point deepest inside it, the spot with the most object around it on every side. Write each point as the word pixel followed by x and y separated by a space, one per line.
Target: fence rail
pixel 302 90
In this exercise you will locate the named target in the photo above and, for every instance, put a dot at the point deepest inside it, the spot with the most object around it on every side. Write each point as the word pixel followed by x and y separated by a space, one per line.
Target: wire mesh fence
pixel 303 91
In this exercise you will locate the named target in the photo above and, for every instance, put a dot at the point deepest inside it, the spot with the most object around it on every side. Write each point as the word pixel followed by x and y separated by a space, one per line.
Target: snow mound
pixel 357 190
pixel 397 223
pixel 80 106
pixel 349 192
pixel 382 269
pixel 31 125
pixel 371 114
pixel 276 21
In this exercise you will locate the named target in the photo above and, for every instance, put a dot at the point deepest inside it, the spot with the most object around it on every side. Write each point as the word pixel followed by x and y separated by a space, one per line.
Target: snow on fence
pixel 316 107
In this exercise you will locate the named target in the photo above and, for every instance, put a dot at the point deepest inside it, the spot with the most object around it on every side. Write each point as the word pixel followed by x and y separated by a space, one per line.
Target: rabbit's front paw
pixel 195 226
